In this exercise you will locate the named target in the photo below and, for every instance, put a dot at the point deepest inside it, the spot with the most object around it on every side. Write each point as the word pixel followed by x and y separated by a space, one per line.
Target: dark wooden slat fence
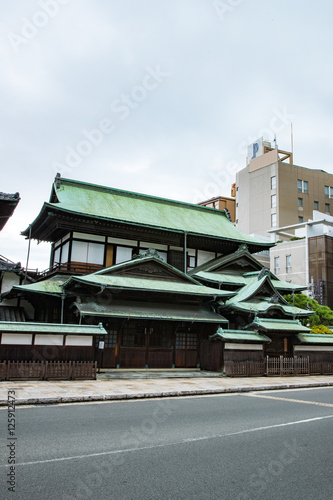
pixel 48 370
pixel 278 366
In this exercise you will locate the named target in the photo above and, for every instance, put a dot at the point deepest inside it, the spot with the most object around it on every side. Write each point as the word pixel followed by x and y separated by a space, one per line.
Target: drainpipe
pixel 28 255
pixel 185 252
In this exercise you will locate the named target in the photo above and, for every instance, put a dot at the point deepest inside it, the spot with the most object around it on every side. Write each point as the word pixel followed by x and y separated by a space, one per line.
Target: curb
pixel 165 394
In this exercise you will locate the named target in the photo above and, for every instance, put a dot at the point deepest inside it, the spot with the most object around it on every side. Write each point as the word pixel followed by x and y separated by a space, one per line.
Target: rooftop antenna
pixel 275 144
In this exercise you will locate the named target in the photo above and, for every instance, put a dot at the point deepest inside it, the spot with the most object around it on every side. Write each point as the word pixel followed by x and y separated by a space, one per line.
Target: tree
pixel 323 314
pixel 321 329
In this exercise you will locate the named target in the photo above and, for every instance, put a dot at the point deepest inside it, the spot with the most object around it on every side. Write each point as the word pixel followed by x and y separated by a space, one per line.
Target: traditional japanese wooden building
pixel 155 315
pixel 163 307
pixel 92 227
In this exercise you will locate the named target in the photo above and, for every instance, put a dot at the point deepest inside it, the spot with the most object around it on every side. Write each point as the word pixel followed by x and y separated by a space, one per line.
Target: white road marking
pixel 183 441
pixel 265 396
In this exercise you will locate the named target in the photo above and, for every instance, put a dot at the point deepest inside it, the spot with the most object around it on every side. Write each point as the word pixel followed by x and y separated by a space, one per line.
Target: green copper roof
pixel 280 325
pixel 238 280
pixel 315 338
pixel 148 211
pixel 51 328
pixel 239 335
pixel 50 286
pixel 167 312
pixel 126 282
pixel 225 279
pixel 249 299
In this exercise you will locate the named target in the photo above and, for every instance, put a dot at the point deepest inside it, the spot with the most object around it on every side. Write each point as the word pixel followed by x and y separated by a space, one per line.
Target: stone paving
pixel 142 384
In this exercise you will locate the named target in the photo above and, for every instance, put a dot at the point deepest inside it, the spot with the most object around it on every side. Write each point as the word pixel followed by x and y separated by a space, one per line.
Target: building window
pixel 273 220
pixel 300 202
pixel 316 205
pixel 300 220
pixel 87 252
pixel 302 186
pixel 123 254
pixel 276 265
pixel 273 201
pixel 288 263
pixel 327 207
pixel 329 192
pixel 273 182
pixel 191 261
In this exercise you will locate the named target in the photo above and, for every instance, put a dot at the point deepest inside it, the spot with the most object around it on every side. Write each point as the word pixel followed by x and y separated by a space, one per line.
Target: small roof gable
pixel 260 296
pixel 238 262
pixel 147 265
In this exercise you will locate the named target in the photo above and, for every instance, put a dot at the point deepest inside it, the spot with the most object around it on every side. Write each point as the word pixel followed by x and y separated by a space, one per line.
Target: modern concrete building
pixel 308 259
pixel 272 192
pixel 222 203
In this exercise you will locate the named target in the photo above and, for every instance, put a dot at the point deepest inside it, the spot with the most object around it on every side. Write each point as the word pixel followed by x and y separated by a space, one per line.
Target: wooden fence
pixel 48 370
pixel 278 366
pixel 287 366
pixel 244 368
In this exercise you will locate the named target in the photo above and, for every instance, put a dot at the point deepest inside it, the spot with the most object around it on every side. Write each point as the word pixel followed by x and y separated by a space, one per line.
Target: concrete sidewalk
pixel 118 385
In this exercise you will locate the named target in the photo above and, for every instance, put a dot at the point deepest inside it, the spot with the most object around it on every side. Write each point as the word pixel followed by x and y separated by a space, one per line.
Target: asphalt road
pixel 265 445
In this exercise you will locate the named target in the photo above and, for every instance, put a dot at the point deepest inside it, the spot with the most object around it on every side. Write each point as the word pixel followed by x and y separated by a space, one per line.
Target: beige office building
pixel 272 192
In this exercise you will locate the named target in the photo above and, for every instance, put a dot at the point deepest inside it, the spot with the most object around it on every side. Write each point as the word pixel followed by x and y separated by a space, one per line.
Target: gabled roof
pixel 150 264
pixel 238 281
pixel 234 270
pixel 144 284
pixel 260 296
pixel 146 273
pixel 280 325
pixel 70 197
pixel 240 261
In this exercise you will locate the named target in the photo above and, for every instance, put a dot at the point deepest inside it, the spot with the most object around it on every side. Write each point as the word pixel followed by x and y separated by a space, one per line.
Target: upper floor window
pixel 327 207
pixel 300 202
pixel 288 263
pixel 273 182
pixel 276 265
pixel 328 192
pixel 300 220
pixel 302 186
pixel 273 220
pixel 316 205
pixel 273 201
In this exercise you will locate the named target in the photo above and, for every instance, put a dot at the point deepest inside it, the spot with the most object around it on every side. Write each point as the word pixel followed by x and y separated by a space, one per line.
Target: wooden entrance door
pixel 186 350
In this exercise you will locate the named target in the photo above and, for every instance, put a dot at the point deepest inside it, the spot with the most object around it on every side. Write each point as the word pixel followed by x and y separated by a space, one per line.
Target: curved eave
pixel 218 295
pixel 48 210
pixel 238 306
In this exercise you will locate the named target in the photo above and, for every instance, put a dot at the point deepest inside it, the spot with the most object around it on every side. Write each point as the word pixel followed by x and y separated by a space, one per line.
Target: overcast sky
pixel 156 96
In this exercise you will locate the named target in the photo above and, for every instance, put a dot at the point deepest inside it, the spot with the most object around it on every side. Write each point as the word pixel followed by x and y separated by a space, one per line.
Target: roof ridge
pixel 160 199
